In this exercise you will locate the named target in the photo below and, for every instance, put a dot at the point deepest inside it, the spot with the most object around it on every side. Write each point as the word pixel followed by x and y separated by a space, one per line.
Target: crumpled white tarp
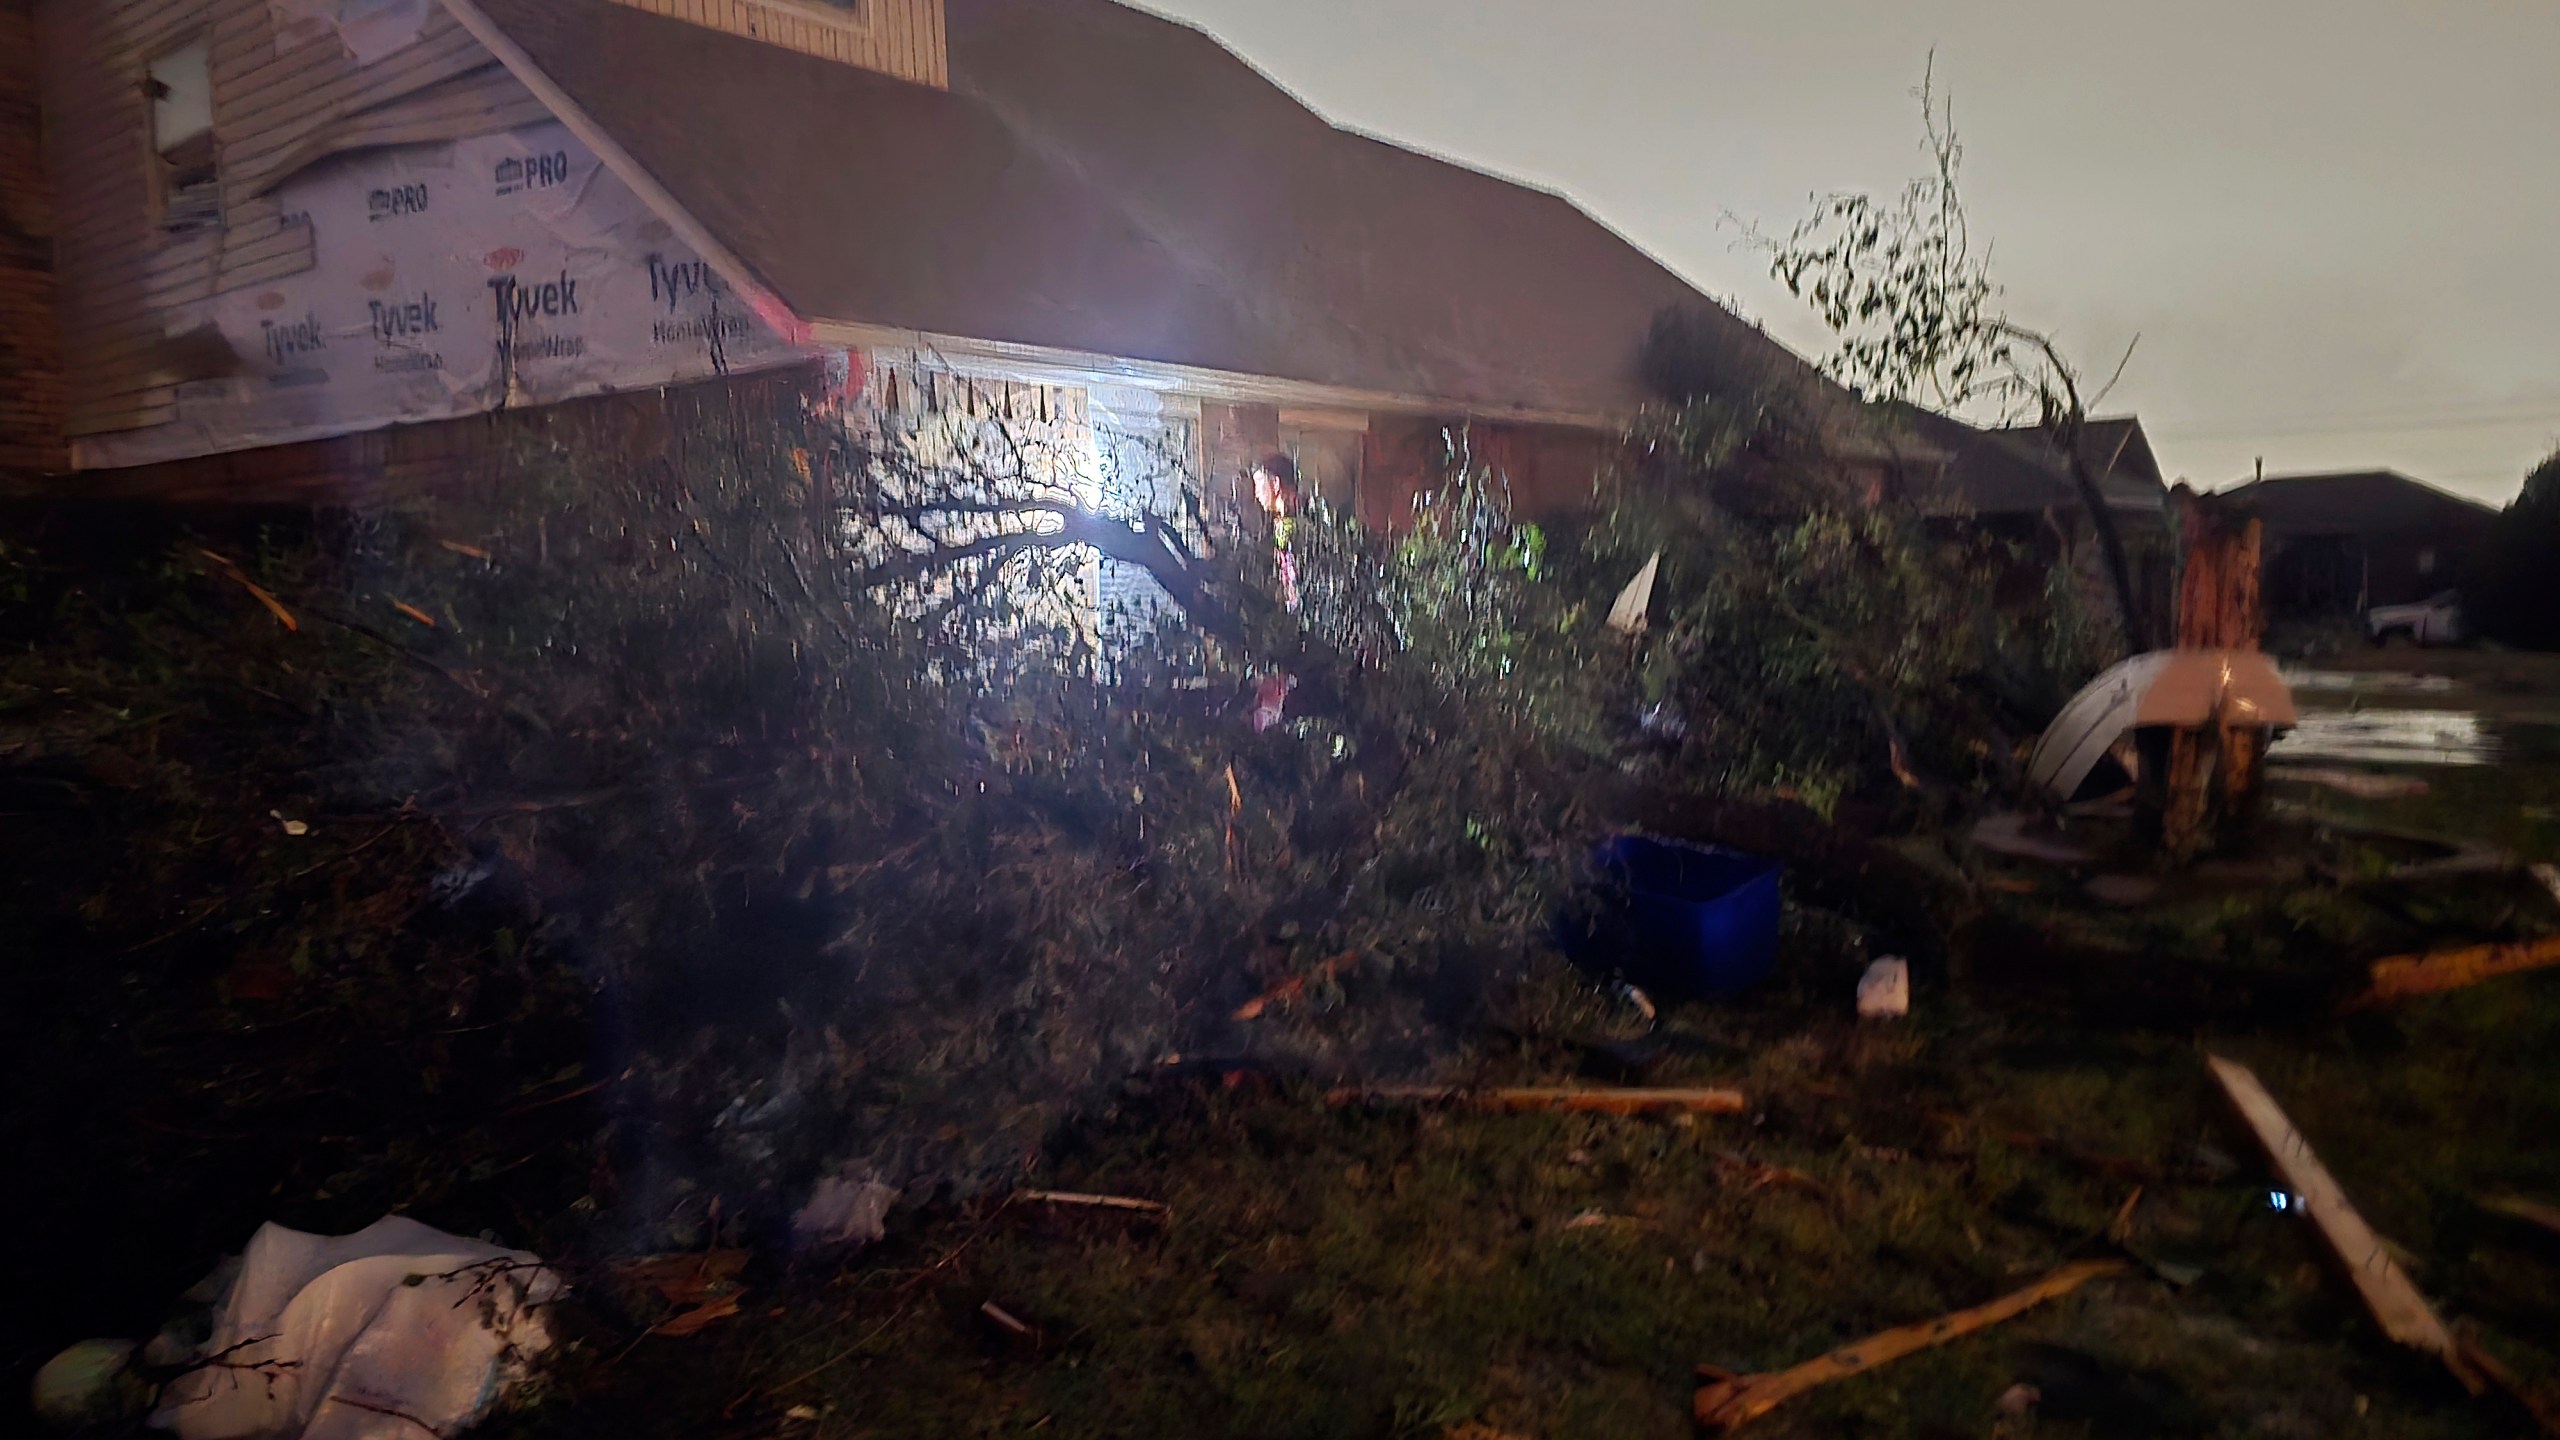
pixel 393 1333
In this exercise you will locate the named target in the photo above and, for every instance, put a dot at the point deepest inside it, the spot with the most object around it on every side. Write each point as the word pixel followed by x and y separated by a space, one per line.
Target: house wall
pixel 1550 470
pixel 899 37
pixel 31 386
pixel 132 293
pixel 169 335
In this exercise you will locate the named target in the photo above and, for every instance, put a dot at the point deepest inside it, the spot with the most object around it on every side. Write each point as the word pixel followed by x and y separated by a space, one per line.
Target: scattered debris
pixel 240 578
pixel 2120 1230
pixel 2122 892
pixel 1293 990
pixel 2403 1313
pixel 92 1384
pixel 1271 703
pixel 1094 1202
pixel 1764 1176
pixel 392 1330
pixel 2353 782
pixel 1635 603
pixel 2407 976
pixel 1884 993
pixel 1729 1402
pixel 2025 837
pixel 2541 1404
pixel 1013 1326
pixel 703 1288
pixel 2186 689
pixel 700 1318
pixel 844 1211
pixel 1557 1101
pixel 2516 1207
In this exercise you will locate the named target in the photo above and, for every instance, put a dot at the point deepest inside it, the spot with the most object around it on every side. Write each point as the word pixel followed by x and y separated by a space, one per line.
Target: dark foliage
pixel 2516 596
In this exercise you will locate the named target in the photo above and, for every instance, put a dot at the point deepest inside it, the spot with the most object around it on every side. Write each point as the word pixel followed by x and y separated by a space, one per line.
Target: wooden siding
pixel 896 37
pixel 135 299
pixel 31 390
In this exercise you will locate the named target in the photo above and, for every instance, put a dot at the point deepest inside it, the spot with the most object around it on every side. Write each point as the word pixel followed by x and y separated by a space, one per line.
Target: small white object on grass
pixel 1885 993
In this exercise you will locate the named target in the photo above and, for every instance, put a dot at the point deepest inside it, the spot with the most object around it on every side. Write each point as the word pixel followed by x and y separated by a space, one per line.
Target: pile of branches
pixel 797 766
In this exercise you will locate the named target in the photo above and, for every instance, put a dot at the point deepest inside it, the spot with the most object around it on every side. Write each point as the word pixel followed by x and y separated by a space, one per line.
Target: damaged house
pixel 299 248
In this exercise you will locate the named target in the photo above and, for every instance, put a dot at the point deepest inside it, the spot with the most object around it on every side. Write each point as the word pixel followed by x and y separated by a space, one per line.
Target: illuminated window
pixel 187 188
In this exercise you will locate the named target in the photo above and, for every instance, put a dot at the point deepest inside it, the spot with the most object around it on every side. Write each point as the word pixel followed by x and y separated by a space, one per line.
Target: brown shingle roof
pixel 1104 181
pixel 2367 503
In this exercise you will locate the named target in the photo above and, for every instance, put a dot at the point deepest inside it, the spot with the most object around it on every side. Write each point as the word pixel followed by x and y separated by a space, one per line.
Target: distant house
pixel 292 245
pixel 2339 545
pixel 2015 484
pixel 2013 479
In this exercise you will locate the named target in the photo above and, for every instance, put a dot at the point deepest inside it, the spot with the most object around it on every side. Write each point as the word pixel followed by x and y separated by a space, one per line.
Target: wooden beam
pixel 2407 976
pixel 1541 1100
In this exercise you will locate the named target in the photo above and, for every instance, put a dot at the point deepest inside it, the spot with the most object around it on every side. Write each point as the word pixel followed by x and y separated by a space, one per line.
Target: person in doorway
pixel 1275 489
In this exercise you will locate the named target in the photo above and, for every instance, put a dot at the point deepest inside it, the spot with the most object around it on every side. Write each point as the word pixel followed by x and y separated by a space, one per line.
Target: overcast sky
pixel 2334 223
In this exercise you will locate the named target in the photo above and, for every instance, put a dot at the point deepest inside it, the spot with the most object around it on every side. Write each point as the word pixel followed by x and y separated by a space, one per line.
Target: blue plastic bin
pixel 1685 922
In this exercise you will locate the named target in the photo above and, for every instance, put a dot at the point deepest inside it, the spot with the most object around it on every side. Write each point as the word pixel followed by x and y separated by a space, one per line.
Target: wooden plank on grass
pixel 2403 1313
pixel 1563 1101
pixel 2408 976
pixel 1729 1402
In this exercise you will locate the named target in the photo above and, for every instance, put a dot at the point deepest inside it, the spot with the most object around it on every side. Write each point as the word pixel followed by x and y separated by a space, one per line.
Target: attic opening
pixel 185 170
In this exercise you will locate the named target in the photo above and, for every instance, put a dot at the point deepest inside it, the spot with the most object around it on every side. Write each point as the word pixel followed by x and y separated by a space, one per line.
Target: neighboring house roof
pixel 1102 182
pixel 2362 503
pixel 2020 471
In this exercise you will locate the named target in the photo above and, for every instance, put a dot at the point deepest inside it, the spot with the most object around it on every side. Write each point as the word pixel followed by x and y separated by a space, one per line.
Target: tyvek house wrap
pixel 451 279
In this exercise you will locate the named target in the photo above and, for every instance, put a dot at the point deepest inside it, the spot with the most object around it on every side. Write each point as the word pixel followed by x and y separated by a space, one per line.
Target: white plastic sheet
pixel 1884 993
pixel 393 1333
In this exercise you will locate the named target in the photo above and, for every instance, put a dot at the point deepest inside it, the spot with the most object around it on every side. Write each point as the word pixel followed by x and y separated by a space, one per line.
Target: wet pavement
pixel 2401 718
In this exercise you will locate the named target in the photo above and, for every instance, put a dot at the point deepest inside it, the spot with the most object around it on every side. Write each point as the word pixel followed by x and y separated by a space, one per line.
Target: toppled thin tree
pixel 1919 321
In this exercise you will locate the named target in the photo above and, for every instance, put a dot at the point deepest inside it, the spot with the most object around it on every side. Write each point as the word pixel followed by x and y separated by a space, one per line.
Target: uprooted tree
pixel 1912 299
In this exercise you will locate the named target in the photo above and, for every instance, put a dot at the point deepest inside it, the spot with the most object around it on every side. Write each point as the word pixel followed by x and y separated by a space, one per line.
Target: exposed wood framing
pixel 282 101
pixel 897 37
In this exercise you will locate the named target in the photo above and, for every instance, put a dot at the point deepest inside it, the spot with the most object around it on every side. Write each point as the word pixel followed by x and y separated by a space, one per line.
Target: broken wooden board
pixel 2395 1302
pixel 1564 1101
pixel 1729 1402
pixel 1073 1200
pixel 2408 976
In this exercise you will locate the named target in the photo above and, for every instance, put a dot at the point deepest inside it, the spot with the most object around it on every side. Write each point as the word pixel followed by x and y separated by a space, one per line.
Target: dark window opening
pixel 186 172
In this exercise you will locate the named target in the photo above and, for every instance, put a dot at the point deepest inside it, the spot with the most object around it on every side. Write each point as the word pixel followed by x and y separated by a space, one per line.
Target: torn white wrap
pixel 394 1332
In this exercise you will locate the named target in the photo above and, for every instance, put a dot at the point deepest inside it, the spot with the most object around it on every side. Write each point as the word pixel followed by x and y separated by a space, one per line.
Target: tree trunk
pixel 2214 776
